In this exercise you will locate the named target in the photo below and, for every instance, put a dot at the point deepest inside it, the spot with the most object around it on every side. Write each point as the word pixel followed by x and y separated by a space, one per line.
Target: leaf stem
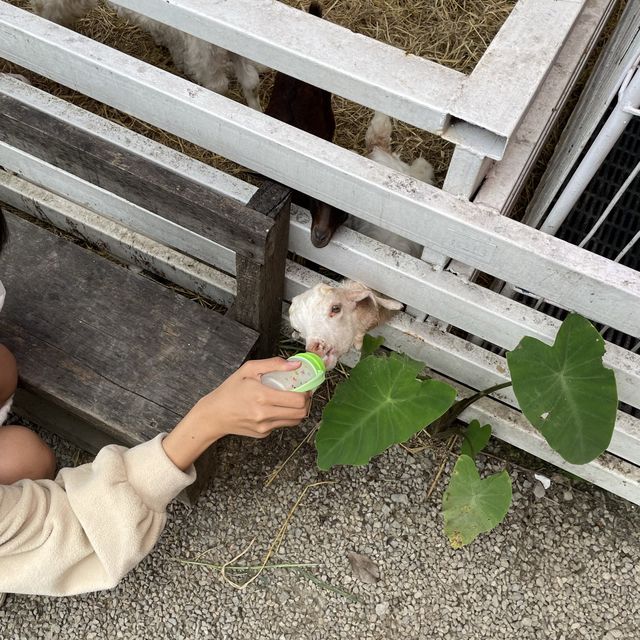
pixel 329 587
pixel 245 567
pixel 447 419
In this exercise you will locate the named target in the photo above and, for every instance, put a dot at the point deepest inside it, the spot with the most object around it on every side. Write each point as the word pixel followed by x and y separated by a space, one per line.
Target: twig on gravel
pixel 247 567
pixel 414 450
pixel 274 474
pixel 277 541
pixel 329 587
pixel 434 482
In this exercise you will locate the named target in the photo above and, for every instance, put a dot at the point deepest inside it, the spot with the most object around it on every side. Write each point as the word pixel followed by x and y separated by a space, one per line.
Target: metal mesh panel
pixel 624 221
pixel 617 230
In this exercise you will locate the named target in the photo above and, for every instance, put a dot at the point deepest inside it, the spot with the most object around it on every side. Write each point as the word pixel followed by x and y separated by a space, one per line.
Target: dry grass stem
pixel 247 567
pixel 414 450
pixel 443 464
pixel 277 541
pixel 276 472
pixel 323 584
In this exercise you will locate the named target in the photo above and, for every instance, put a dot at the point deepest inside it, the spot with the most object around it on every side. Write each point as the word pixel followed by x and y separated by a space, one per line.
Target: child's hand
pixel 241 405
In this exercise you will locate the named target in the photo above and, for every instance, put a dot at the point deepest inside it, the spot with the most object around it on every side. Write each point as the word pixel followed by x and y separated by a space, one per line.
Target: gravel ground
pixel 561 566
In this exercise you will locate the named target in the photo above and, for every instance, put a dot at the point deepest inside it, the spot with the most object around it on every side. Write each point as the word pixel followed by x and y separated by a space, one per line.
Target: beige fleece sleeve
pixel 87 528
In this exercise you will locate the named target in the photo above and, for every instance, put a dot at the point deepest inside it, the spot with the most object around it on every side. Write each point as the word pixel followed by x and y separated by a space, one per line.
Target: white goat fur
pixel 333 319
pixel 378 145
pixel 205 63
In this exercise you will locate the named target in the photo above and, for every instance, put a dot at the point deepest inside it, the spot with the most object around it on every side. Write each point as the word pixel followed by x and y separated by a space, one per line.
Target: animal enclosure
pixel 497 115
pixel 451 33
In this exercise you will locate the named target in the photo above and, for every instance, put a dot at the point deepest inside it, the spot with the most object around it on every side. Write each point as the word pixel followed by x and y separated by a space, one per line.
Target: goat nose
pixel 317 347
pixel 319 237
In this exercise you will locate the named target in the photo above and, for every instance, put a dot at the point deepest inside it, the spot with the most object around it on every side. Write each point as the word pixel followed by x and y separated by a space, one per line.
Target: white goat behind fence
pixel 379 149
pixel 331 320
pixel 208 64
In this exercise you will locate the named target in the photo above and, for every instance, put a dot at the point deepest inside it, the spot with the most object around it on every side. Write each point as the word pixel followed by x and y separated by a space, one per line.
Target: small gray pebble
pixel 538 490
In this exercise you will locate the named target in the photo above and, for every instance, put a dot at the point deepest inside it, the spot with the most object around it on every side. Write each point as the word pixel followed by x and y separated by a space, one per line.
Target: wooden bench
pixel 107 355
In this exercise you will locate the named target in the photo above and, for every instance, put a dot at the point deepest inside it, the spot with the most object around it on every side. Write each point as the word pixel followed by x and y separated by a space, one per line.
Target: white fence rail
pixel 600 92
pixel 457 106
pixel 504 183
pixel 491 100
pixel 481 238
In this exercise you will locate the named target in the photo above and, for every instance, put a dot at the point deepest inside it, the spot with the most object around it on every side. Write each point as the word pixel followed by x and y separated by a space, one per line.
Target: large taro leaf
pixel 565 391
pixel 382 403
pixel 472 506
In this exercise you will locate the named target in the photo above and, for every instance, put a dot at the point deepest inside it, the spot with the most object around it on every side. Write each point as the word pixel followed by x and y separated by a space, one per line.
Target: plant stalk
pixel 246 567
pixel 445 421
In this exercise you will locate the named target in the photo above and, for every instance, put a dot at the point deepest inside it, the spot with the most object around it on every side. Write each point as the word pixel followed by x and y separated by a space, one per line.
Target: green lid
pixel 317 365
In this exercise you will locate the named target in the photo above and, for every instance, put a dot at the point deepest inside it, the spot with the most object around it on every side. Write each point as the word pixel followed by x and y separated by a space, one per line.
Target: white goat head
pixel 333 319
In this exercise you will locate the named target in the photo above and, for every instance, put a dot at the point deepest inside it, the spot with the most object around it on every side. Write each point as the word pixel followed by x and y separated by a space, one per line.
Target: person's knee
pixel 8 374
pixel 24 456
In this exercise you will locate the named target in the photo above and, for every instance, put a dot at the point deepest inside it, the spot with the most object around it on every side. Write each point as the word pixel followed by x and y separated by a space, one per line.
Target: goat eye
pixel 335 309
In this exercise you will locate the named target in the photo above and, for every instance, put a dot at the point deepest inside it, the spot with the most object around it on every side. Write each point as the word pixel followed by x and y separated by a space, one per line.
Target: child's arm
pixel 89 527
pixel 94 523
pixel 241 406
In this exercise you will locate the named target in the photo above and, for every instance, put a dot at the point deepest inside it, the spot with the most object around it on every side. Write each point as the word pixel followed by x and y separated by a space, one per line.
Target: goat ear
pixel 358 295
pixel 387 303
pixel 325 288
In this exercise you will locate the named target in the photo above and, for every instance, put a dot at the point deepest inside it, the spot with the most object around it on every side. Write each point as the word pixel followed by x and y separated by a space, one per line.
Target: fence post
pixel 260 287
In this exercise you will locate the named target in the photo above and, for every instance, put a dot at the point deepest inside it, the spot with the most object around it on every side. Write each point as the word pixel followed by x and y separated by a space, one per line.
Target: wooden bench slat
pixel 136 179
pixel 123 352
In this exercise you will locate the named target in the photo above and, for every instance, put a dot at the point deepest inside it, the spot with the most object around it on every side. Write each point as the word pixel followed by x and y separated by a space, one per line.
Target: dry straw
pixel 454 33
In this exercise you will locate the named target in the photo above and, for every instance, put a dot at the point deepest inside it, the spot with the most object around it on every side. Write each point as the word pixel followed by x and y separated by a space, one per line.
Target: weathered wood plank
pixel 138 180
pixel 179 163
pixel 260 288
pixel 116 209
pixel 117 240
pixel 124 353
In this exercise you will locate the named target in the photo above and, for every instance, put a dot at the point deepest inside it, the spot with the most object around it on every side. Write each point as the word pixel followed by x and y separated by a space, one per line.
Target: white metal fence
pixel 584 154
pixel 501 111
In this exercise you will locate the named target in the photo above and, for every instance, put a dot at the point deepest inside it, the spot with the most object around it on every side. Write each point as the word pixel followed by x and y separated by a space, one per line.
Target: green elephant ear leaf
pixel 381 404
pixel 472 505
pixel 370 345
pixel 475 439
pixel 565 391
